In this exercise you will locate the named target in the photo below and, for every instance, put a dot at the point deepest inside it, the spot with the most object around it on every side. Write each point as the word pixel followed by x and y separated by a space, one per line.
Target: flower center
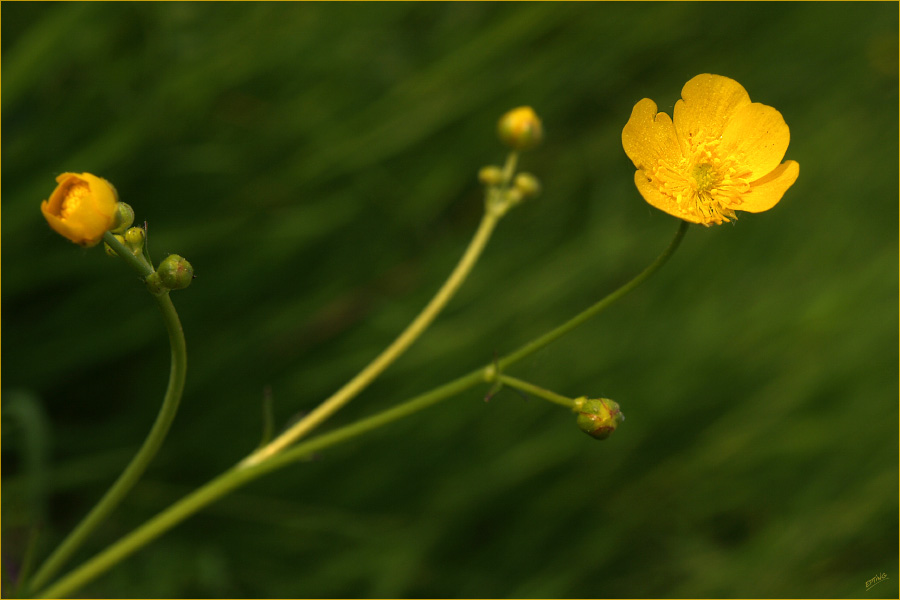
pixel 705 186
pixel 704 177
pixel 74 196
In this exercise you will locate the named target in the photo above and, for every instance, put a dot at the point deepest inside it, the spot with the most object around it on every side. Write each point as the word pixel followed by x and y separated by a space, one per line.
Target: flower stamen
pixel 72 201
pixel 706 187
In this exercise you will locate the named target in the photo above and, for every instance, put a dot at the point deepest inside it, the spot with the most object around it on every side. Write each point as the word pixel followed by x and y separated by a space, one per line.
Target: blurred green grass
pixel 316 163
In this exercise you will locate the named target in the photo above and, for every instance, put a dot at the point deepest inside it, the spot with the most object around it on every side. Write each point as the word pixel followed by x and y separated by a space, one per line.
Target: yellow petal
pixel 649 136
pixel 66 229
pixel 54 203
pixel 709 102
pixel 103 194
pixel 85 217
pixel 757 137
pixel 650 191
pixel 767 191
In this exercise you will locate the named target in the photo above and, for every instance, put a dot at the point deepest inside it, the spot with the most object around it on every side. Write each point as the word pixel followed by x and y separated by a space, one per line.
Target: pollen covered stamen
pixel 705 187
pixel 73 198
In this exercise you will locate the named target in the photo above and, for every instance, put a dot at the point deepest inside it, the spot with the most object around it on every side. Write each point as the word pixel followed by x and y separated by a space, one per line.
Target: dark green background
pixel 316 163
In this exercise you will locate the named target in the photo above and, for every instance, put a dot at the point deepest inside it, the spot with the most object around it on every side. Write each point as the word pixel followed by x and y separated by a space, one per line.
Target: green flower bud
pixel 520 129
pixel 513 196
pixel 124 218
pixel 109 249
pixel 175 272
pixel 527 184
pixel 490 175
pixel 598 418
pixel 134 239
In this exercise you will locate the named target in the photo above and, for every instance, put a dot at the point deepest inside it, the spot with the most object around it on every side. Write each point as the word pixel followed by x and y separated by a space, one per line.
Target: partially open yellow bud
pixel 520 128
pixel 81 208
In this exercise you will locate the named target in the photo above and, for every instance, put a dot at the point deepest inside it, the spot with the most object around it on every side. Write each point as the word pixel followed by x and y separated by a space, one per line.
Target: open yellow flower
pixel 720 153
pixel 81 208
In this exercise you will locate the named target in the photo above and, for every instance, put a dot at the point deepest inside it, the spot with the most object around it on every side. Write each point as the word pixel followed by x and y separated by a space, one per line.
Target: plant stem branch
pixel 238 476
pixel 553 335
pixel 389 354
pixel 139 264
pixel 534 390
pixel 151 444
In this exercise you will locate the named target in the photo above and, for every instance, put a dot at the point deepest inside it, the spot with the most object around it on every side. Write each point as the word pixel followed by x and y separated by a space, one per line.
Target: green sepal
pixel 124 217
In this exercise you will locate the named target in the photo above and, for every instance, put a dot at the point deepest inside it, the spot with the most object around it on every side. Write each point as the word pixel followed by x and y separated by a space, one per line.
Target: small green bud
pixel 124 217
pixel 527 184
pixel 520 128
pixel 490 175
pixel 175 272
pixel 514 196
pixel 134 239
pixel 109 249
pixel 598 418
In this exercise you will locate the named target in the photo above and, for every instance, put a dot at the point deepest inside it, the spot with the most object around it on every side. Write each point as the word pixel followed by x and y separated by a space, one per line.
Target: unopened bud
pixel 134 239
pixel 108 248
pixel 490 175
pixel 175 272
pixel 124 218
pixel 527 184
pixel 520 128
pixel 513 196
pixel 598 418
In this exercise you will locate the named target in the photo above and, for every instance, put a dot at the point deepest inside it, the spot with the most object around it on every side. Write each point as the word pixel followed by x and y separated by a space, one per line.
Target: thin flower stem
pixel 151 444
pixel 536 391
pixel 553 335
pixel 389 354
pixel 509 167
pixel 237 476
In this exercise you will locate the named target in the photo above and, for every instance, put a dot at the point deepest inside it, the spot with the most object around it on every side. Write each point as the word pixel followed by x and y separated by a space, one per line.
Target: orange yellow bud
pixel 520 128
pixel 81 208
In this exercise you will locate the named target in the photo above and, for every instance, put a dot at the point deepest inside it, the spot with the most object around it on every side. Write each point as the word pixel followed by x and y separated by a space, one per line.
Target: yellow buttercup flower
pixel 720 153
pixel 81 208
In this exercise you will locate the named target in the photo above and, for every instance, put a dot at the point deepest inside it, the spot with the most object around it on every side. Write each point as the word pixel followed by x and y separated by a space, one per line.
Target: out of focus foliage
pixel 316 163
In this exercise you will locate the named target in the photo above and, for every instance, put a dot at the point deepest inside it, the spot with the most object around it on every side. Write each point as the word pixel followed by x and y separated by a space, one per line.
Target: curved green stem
pixel 238 476
pixel 553 335
pixel 353 387
pixel 148 450
pixel 493 213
